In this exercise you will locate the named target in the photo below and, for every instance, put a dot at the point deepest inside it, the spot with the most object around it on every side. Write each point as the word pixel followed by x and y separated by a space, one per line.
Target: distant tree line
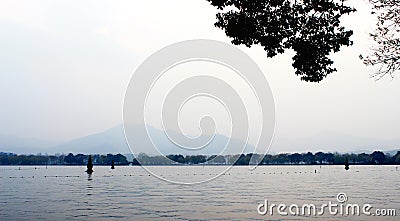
pixel 319 158
pixel 70 159
pixel 375 158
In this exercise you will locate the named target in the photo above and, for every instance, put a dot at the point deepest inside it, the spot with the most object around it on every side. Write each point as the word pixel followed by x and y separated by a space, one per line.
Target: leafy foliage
pixel 310 27
pixel 386 52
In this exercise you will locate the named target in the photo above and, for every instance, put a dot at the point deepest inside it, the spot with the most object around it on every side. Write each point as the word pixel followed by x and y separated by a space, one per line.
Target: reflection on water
pixel 89 185
pixel 129 193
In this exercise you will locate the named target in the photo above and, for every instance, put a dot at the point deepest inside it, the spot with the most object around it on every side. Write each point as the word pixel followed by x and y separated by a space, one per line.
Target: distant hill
pixel 24 145
pixel 391 152
pixel 333 142
pixel 109 141
pixel 113 141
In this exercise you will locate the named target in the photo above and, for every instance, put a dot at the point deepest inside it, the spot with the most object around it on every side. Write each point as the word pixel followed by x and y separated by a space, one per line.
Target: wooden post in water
pixel 89 165
pixel 112 165
pixel 346 164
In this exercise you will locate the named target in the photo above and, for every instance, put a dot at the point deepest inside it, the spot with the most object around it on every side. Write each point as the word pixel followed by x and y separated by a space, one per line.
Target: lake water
pixel 130 193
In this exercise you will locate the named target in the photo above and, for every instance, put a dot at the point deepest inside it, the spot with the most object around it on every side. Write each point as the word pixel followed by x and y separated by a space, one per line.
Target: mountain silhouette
pixel 113 141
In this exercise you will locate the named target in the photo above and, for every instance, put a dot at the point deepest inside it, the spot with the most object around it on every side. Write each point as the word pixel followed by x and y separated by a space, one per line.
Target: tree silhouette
pixel 310 27
pixel 386 52
pixel 378 157
pixel 295 158
pixel 396 158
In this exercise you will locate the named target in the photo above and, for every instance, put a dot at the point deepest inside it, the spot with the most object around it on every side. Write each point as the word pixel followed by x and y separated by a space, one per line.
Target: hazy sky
pixel 65 65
